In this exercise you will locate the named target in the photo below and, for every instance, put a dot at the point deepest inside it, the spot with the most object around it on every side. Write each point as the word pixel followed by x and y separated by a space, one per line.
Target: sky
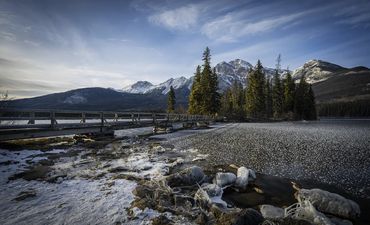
pixel 49 46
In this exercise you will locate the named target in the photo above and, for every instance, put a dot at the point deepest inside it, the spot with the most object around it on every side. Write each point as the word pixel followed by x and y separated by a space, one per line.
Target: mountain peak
pixel 316 70
pixel 139 87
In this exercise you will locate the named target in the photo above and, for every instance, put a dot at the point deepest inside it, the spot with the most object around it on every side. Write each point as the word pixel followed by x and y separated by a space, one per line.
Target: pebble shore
pixel 332 152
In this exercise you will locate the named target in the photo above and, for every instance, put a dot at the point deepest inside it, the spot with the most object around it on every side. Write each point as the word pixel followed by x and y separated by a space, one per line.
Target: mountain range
pixel 330 83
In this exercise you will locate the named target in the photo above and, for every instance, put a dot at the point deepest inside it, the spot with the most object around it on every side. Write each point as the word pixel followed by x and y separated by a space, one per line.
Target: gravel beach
pixel 335 152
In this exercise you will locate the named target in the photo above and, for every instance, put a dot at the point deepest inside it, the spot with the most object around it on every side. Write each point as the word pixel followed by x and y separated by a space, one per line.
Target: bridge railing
pixel 32 118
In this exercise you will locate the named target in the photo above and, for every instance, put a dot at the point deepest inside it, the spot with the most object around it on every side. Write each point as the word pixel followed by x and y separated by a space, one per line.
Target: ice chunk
pixel 271 212
pixel 243 176
pixel 224 179
pixel 212 189
pixel 328 202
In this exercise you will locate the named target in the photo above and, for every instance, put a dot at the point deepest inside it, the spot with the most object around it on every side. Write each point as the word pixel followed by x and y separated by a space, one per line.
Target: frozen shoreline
pixel 94 186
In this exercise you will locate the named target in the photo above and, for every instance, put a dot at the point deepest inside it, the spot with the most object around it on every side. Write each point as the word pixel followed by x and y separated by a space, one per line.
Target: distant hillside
pixel 331 83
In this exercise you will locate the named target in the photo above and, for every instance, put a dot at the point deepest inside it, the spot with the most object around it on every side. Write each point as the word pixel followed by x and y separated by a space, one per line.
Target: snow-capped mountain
pixel 316 71
pixel 330 83
pixel 144 87
pixel 228 73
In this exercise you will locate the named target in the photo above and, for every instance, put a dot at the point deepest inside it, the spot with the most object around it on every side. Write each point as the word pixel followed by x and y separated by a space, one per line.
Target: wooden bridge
pixel 23 123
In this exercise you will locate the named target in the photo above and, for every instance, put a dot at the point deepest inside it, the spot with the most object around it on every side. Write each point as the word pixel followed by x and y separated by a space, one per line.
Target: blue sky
pixel 51 45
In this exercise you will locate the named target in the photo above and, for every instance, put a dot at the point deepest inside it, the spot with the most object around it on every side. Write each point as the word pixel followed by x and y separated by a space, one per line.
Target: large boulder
pixel 331 203
pixel 224 179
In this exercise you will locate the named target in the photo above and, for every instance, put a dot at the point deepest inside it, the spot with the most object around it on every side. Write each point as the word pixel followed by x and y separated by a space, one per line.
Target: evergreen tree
pixel 210 100
pixel 268 91
pixel 277 91
pixel 277 95
pixel 227 104
pixel 304 102
pixel 309 105
pixel 255 93
pixel 289 88
pixel 171 101
pixel 195 96
pixel 299 99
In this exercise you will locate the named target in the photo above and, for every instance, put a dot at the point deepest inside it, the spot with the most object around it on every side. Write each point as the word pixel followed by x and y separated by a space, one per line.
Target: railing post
pixel 83 118
pixel 32 118
pixel 101 121
pixel 52 119
pixel 154 119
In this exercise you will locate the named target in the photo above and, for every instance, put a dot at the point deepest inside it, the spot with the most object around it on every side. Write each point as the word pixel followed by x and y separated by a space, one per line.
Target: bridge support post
pixel 101 121
pixel 53 121
pixel 83 118
pixel 32 118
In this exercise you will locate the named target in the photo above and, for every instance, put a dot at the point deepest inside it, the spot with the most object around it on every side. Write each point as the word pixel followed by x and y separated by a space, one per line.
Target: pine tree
pixel 289 88
pixel 171 101
pixel 255 93
pixel 227 104
pixel 195 96
pixel 268 91
pixel 277 96
pixel 277 91
pixel 210 100
pixel 299 99
pixel 309 105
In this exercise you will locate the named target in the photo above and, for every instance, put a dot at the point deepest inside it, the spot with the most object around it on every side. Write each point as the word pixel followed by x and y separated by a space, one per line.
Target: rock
pixel 25 194
pixel 161 220
pixel 331 203
pixel 209 194
pixel 271 212
pixel 223 179
pixel 189 176
pixel 242 178
pixel 307 211
pixel 243 217
pixel 288 221
pixel 212 190
pixel 249 217
pixel 202 199
pixel 338 221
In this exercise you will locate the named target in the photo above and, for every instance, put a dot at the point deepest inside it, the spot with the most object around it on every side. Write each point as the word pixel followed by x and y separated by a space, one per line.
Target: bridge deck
pixel 24 123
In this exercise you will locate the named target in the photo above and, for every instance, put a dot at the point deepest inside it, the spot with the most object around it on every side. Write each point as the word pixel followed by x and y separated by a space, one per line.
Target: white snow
pixel 76 98
pixel 71 202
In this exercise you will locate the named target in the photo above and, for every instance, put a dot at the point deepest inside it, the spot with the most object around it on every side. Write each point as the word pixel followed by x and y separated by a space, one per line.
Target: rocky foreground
pixel 177 178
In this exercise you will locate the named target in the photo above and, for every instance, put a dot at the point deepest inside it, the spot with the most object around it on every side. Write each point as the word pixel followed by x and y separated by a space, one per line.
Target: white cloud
pixel 231 27
pixel 179 19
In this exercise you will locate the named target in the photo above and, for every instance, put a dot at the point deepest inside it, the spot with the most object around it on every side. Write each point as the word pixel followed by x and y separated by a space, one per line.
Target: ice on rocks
pixel 243 176
pixel 328 202
pixel 224 179
pixel 189 176
pixel 212 189
pixel 271 212
pixel 209 194
pixel 307 211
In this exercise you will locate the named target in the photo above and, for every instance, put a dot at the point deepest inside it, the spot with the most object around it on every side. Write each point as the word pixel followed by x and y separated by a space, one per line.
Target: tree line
pixel 269 98
pixel 262 98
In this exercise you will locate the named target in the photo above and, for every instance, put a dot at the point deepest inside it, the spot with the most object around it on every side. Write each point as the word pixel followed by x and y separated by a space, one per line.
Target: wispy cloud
pixel 355 15
pixel 181 18
pixel 231 27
